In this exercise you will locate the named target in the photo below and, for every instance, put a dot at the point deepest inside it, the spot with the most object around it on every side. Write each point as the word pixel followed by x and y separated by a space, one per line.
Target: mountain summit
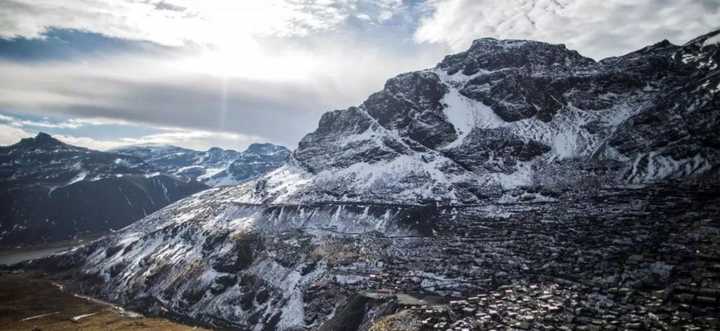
pixel 41 141
pixel 511 113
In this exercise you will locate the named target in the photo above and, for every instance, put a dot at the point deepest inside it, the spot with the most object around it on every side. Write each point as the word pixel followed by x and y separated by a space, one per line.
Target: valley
pixel 9 256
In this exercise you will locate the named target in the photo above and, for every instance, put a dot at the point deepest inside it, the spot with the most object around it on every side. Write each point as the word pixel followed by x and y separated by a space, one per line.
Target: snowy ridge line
pixel 374 233
pixel 321 204
pixel 326 203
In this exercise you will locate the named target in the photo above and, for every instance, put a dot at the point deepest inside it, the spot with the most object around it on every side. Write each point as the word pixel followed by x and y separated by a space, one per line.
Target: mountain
pixel 53 191
pixel 214 167
pixel 515 185
pixel 508 113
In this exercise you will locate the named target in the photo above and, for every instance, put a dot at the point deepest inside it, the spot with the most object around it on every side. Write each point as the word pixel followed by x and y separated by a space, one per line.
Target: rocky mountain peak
pixel 216 155
pixel 217 151
pixel 492 54
pixel 41 136
pixel 266 149
pixel 41 140
pixel 700 56
pixel 504 111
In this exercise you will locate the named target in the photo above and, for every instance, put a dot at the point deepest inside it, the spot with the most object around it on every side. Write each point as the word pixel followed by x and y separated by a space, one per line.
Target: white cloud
pixel 193 139
pixel 256 67
pixel 595 28
pixel 10 134
pixel 73 123
pixel 14 128
pixel 263 99
pixel 89 142
pixel 176 22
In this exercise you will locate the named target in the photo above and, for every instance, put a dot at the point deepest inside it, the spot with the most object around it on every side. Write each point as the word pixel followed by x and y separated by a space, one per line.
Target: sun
pixel 250 61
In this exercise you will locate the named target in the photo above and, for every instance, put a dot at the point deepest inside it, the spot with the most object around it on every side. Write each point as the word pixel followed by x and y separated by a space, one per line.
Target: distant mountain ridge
pixel 214 167
pixel 53 191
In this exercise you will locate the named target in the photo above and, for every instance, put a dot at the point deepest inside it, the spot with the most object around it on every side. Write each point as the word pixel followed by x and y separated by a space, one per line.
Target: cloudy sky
pixel 202 73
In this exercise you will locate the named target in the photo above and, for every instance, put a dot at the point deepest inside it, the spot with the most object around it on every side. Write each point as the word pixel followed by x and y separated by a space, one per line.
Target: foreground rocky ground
pixel 623 259
pixel 638 258
pixel 29 301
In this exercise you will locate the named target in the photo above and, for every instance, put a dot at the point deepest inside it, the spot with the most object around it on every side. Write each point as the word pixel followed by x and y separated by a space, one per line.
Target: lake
pixel 14 255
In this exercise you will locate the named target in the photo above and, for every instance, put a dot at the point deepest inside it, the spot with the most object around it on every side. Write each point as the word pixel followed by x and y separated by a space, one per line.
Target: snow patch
pixel 466 114
pixel 78 178
pixel 565 144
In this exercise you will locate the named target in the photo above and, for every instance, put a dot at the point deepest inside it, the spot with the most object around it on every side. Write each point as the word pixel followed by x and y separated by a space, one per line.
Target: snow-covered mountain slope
pixel 411 193
pixel 53 191
pixel 214 167
pixel 209 258
pixel 678 133
pixel 509 113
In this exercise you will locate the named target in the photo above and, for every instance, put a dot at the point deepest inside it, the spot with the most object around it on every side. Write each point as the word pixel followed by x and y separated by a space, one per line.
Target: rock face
pixel 490 192
pixel 214 167
pixel 53 191
pixel 677 135
pixel 504 114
